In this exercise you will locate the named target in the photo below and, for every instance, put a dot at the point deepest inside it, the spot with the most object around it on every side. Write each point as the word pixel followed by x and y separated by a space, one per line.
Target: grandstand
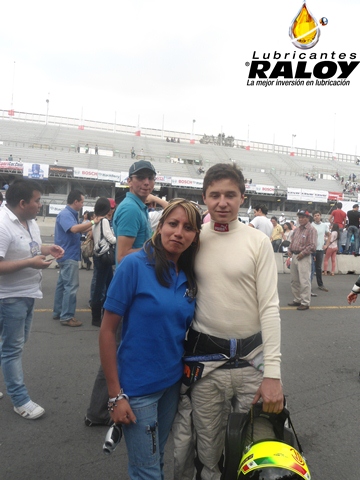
pixel 272 169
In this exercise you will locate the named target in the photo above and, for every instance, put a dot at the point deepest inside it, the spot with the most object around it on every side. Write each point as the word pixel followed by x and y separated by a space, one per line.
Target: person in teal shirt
pixel 131 222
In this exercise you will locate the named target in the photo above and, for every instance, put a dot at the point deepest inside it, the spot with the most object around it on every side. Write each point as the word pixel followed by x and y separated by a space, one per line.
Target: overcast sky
pixel 178 61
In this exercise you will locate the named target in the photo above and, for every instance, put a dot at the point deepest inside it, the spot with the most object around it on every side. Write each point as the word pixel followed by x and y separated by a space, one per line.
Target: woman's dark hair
pixel 335 228
pixel 288 224
pixel 155 250
pixel 102 207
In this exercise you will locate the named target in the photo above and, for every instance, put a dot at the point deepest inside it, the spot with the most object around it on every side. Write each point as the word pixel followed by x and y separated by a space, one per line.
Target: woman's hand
pixel 122 413
pixel 351 298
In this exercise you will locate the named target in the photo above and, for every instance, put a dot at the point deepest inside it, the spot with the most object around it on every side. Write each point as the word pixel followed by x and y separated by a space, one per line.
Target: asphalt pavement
pixel 320 368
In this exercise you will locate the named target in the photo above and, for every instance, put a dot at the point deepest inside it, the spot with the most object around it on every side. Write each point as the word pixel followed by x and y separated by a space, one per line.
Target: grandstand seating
pixel 45 143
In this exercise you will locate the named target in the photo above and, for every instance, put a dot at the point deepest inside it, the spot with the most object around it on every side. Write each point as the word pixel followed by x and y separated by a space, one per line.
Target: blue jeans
pixel 15 322
pixel 66 290
pixel 276 244
pixel 352 230
pixel 146 439
pixel 317 267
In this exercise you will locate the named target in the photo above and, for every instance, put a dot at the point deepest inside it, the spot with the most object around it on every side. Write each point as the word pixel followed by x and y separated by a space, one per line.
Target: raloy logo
pixel 302 68
pixel 304 30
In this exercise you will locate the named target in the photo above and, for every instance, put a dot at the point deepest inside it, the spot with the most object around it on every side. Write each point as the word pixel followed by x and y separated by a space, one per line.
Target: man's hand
pixel 272 395
pixel 39 262
pixel 56 251
pixel 159 201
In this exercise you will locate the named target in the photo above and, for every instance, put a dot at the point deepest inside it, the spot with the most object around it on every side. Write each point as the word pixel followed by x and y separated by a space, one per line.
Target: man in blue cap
pixel 131 220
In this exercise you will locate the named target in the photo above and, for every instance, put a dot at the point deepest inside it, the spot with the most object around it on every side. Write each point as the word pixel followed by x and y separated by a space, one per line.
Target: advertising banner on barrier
pixel 320 196
pixel 109 176
pixel 54 208
pixel 187 182
pixel 307 195
pixel 85 173
pixel 338 196
pixel 293 194
pixel 61 170
pixel 267 189
pixel 9 165
pixel 36 171
pixel 250 187
pixel 163 179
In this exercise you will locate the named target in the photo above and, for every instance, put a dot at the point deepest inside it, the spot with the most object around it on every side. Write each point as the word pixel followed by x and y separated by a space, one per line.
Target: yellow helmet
pixel 273 460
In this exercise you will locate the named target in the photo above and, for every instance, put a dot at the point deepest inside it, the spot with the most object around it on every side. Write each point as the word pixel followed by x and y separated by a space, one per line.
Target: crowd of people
pixel 311 247
pixel 350 185
pixel 173 302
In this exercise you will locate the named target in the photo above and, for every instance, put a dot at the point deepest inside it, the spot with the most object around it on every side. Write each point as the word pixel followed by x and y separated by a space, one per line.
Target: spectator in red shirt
pixel 338 216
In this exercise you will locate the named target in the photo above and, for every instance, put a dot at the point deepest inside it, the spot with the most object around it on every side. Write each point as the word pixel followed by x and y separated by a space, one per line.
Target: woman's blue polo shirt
pixel 155 321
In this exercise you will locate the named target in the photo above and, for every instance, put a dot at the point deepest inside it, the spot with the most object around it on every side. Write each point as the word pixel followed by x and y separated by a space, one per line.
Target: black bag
pixel 108 258
pixel 105 251
pixel 284 246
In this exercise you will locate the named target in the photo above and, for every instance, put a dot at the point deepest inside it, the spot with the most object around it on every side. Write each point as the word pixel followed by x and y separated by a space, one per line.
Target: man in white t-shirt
pixel 22 257
pixel 260 221
pixel 323 233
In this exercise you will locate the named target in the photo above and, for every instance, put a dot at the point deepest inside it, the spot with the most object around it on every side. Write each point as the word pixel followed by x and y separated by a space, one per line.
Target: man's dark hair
pixel 316 211
pixel 21 189
pixel 274 218
pixel 339 205
pixel 74 195
pixel 221 171
pixel 261 207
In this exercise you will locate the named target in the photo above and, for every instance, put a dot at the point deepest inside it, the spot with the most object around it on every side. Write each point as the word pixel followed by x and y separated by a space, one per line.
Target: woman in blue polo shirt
pixel 153 293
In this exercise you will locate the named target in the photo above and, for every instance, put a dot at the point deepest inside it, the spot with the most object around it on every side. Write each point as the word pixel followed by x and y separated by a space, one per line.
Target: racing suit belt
pixel 202 344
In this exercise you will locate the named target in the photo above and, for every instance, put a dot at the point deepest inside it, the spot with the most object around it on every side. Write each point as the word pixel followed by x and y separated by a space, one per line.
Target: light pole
pixel 334 135
pixel 47 111
pixel 192 140
pixel 11 111
pixel 292 151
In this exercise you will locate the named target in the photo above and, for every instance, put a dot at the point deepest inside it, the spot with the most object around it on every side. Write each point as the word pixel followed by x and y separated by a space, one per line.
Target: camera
pixel 112 438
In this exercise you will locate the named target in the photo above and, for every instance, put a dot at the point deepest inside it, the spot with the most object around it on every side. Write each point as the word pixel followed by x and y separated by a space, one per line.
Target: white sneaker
pixel 30 410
